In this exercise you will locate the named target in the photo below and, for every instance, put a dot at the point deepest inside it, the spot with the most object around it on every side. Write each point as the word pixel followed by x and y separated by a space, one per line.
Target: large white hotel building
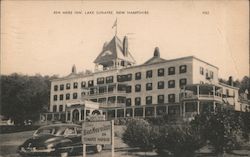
pixel 119 88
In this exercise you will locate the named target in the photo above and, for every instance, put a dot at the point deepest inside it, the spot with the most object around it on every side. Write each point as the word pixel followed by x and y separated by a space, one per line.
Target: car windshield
pixel 50 131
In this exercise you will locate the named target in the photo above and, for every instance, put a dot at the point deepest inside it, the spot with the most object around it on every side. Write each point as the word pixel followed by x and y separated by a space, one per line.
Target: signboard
pixel 97 132
pixel 96 118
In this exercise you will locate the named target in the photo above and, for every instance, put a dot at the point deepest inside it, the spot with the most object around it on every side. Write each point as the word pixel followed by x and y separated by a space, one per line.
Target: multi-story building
pixel 120 88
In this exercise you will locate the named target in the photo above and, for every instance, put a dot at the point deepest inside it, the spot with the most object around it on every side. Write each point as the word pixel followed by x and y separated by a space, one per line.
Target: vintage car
pixel 56 139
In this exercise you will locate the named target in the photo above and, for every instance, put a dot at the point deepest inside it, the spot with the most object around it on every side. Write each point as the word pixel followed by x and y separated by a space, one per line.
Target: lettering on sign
pixel 97 132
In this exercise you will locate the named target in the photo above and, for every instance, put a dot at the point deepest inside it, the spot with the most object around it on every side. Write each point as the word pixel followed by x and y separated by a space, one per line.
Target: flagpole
pixel 116 27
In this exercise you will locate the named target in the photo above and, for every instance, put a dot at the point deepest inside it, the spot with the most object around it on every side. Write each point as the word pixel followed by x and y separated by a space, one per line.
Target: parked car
pixel 56 139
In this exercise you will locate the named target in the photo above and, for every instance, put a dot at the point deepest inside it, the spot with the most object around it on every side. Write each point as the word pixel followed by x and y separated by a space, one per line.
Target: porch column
pixel 124 113
pixel 115 113
pixel 213 91
pixel 198 107
pixel 143 111
pixel 184 109
pixel 198 91
pixel 66 116
pixel 133 110
pixel 79 110
pixel 84 117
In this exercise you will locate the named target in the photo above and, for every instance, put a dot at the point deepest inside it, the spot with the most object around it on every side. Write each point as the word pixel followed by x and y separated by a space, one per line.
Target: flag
pixel 115 24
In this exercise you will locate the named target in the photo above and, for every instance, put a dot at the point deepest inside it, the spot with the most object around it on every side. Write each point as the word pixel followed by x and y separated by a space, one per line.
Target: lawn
pixel 10 142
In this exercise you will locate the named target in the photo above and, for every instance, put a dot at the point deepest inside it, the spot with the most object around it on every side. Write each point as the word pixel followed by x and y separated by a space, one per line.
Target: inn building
pixel 119 88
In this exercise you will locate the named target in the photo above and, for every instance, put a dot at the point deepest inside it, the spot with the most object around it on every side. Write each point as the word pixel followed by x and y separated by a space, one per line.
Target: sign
pixel 96 118
pixel 97 132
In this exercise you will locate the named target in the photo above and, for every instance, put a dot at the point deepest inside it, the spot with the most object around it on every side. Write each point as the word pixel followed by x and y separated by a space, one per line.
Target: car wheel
pixel 98 148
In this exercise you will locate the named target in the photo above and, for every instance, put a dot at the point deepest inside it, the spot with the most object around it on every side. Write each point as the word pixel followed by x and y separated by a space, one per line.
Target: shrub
pixel 181 141
pixel 138 133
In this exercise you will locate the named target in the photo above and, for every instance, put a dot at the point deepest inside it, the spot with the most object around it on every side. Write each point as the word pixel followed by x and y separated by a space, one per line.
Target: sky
pixel 35 38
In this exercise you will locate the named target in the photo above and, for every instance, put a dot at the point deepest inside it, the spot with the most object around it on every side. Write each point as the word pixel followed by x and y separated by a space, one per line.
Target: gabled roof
pixel 113 50
pixel 155 59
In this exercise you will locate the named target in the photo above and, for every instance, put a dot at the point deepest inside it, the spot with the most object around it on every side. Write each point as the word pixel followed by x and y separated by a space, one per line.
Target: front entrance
pixel 75 117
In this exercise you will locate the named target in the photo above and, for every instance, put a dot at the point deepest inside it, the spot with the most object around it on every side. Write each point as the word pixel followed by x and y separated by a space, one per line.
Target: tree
pixel 222 129
pixel 24 97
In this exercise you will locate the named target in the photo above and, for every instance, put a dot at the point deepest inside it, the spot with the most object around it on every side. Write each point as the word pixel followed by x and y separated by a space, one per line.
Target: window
pixel 138 76
pixel 54 108
pixel 67 96
pixel 122 78
pixel 160 99
pixel 61 96
pixel 69 131
pixel 102 89
pixel 171 98
pixel 129 77
pixel 161 85
pixel 68 86
pixel 100 80
pixel 75 85
pixel 137 88
pixel 128 89
pixel 109 79
pixel 171 84
pixel 183 69
pixel 171 70
pixel 60 108
pixel 74 95
pixel 61 87
pixel 128 102
pixel 211 74
pixel 149 74
pixel 111 100
pixel 227 92
pixel 149 86
pixel 149 100
pixel 201 70
pixel 137 101
pixel 55 97
pixel 101 100
pixel 56 88
pixel 183 82
pixel 83 84
pixel 161 72
pixel 207 76
pixel 90 83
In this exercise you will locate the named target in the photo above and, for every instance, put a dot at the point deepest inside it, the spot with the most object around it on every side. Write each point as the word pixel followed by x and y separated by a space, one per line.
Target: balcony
pixel 104 90
pixel 112 105
pixel 201 92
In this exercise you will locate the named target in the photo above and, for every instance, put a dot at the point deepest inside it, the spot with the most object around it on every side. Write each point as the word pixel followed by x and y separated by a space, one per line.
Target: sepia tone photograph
pixel 125 78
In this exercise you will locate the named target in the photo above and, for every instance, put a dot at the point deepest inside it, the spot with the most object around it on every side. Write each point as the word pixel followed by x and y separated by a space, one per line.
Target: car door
pixel 73 134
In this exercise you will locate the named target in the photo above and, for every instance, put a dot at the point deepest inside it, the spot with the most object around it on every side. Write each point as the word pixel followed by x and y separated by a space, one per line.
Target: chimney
pixel 230 81
pixel 157 52
pixel 73 69
pixel 125 46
